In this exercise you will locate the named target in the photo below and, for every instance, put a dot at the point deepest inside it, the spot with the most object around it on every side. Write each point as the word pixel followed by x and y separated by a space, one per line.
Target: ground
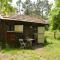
pixel 50 51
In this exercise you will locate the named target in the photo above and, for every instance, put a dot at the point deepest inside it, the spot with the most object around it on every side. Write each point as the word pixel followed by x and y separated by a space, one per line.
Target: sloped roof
pixel 26 18
pixel 1 16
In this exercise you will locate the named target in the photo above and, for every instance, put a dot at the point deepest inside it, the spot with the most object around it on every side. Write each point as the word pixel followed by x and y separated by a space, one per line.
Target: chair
pixel 23 45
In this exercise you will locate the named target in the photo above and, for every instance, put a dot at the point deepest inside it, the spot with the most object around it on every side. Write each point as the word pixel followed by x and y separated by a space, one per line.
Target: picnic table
pixel 29 42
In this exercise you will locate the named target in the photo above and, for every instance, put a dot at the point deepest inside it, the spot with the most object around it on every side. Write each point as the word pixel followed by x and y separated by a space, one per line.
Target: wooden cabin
pixel 21 28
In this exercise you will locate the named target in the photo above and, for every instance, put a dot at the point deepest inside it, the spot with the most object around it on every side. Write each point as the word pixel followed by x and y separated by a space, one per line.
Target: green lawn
pixel 51 51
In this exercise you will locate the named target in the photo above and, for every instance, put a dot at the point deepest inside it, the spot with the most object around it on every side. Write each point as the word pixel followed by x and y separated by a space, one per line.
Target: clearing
pixel 50 51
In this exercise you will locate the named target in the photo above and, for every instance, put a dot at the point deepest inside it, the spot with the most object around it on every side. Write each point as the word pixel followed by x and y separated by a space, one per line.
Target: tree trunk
pixel 55 34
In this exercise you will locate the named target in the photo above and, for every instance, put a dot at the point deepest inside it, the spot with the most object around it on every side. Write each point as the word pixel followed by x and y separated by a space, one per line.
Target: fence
pixel 50 34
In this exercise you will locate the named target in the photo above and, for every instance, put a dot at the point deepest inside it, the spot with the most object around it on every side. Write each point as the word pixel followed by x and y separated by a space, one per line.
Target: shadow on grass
pixel 29 48
pixel 36 46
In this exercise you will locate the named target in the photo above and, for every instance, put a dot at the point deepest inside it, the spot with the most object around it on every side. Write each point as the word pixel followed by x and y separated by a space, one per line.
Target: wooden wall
pixel 27 31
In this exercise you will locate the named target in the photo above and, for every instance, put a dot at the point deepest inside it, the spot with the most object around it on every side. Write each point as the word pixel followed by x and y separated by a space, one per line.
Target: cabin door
pixel 11 39
pixel 41 34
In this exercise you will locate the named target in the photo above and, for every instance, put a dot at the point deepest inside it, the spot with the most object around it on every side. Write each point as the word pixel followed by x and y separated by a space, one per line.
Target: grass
pixel 50 51
pixel 20 54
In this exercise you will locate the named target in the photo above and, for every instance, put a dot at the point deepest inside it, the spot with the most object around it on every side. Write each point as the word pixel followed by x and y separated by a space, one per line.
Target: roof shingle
pixel 27 18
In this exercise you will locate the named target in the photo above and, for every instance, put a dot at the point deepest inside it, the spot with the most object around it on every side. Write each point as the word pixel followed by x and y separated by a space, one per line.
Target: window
pixel 10 28
pixel 18 28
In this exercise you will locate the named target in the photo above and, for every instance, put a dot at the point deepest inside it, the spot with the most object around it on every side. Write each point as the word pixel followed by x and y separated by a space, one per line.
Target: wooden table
pixel 29 41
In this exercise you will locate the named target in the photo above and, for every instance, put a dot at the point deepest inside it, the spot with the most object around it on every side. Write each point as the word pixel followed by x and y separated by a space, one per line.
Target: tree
pixel 55 17
pixel 57 2
pixel 43 8
pixel 40 8
pixel 19 4
pixel 27 5
pixel 6 8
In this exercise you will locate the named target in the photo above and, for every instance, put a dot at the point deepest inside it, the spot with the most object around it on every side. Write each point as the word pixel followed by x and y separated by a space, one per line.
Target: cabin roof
pixel 26 18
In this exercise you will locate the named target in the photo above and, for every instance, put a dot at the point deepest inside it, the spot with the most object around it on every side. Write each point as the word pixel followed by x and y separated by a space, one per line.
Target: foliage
pixel 43 8
pixel 57 3
pixel 18 4
pixel 27 5
pixel 39 8
pixel 55 16
pixel 6 8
